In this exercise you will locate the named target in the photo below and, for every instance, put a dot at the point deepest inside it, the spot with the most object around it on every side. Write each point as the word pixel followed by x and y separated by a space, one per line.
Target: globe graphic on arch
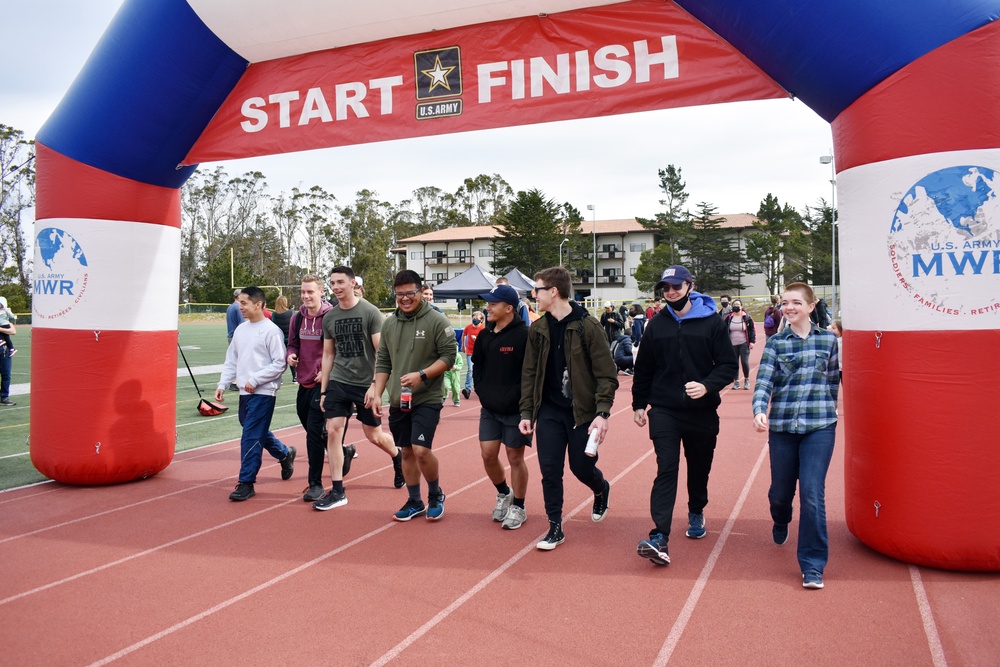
pixel 944 240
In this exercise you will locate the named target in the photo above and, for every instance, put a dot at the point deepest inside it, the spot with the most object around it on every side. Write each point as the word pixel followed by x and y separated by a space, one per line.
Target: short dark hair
pixel 253 293
pixel 346 270
pixel 408 277
pixel 558 277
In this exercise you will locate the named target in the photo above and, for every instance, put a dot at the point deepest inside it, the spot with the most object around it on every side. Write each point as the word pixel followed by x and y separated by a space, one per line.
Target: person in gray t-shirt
pixel 351 333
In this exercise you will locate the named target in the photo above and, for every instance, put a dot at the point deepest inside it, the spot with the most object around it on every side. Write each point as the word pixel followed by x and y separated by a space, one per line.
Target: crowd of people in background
pixel 544 376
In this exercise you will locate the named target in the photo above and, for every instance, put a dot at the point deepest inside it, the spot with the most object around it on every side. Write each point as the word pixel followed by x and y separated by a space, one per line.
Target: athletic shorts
pixel 416 427
pixel 503 428
pixel 341 400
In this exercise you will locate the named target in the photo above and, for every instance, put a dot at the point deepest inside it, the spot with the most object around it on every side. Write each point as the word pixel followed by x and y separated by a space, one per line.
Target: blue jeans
pixel 5 368
pixel 468 372
pixel 255 417
pixel 804 457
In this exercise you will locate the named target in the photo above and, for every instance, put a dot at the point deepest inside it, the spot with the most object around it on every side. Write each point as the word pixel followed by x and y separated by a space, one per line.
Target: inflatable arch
pixel 911 90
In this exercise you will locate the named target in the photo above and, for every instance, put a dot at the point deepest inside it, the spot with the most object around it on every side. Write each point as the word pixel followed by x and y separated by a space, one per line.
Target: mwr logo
pixel 944 242
pixel 438 76
pixel 61 273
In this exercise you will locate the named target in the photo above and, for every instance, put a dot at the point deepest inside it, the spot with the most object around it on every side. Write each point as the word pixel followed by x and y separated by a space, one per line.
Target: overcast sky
pixel 731 155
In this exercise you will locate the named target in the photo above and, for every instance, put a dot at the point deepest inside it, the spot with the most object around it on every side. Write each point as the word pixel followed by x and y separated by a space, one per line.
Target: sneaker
pixel 654 549
pixel 516 516
pixel 398 480
pixel 779 533
pixel 457 404
pixel 503 504
pixel 233 387
pixel 553 538
pixel 244 491
pixel 7 401
pixel 349 452
pixel 696 526
pixel 411 509
pixel 736 385
pixel 312 493
pixel 746 384
pixel 330 500
pixel 812 580
pixel 435 507
pixel 601 503
pixel 466 393
pixel 288 464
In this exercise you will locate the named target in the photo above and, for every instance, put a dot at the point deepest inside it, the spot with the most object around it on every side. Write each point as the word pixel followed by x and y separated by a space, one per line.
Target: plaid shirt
pixel 801 379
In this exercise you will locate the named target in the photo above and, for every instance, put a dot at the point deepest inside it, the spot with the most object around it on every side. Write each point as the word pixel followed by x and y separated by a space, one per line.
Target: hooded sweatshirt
pixel 676 351
pixel 305 338
pixel 412 343
pixel 497 359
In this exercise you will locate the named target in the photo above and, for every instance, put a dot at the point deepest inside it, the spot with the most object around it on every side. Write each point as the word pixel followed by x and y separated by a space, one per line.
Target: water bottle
pixel 592 444
pixel 405 399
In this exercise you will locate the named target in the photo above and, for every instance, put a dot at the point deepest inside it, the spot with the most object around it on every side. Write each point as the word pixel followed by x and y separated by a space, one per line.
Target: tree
pixel 652 262
pixel 368 223
pixel 483 199
pixel 673 225
pixel 579 244
pixel 767 244
pixel 530 234
pixel 709 253
pixel 818 222
pixel 17 195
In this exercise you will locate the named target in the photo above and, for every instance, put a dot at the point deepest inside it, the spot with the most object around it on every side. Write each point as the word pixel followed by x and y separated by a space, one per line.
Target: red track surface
pixel 168 571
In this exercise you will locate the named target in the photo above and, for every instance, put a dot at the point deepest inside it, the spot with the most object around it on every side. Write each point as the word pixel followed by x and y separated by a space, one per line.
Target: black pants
pixel 307 405
pixel 698 430
pixel 556 433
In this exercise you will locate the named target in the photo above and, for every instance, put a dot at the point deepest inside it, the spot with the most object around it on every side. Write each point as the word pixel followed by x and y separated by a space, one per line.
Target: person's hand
pixel 639 417
pixel 248 387
pixel 751 346
pixel 760 422
pixel 220 395
pixel 600 424
pixel 524 426
pixel 695 390
pixel 374 401
pixel 410 380
pixel 293 360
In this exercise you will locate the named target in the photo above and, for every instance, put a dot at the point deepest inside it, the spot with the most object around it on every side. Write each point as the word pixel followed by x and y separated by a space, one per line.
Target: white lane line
pixel 927 616
pixel 688 610
pixel 394 652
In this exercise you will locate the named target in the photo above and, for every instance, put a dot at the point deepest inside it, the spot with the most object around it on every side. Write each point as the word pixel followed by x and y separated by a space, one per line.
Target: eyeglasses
pixel 670 286
pixel 541 287
pixel 406 295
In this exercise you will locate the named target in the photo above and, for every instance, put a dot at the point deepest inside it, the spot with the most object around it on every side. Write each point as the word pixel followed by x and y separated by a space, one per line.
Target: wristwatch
pixel 604 415
pixel 423 375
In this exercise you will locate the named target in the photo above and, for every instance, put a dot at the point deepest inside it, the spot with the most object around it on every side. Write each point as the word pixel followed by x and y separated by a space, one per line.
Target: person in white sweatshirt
pixel 255 362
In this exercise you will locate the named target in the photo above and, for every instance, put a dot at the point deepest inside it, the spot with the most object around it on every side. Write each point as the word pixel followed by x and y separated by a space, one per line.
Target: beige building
pixel 442 255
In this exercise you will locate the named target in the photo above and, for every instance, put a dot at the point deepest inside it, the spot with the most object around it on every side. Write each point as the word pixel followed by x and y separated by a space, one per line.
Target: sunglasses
pixel 671 286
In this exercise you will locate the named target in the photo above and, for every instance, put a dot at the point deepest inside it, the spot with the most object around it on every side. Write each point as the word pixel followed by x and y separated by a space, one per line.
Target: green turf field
pixel 204 344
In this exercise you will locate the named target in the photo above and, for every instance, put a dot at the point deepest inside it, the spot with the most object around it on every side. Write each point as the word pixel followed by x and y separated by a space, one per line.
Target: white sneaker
pixel 736 385
pixel 516 516
pixel 503 504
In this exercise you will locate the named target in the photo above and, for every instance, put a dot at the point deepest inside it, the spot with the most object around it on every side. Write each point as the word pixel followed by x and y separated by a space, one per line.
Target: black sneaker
pixel 244 491
pixel 466 393
pixel 779 533
pixel 312 493
pixel 601 503
pixel 330 500
pixel 7 401
pixel 411 509
pixel 654 549
pixel 553 538
pixel 398 480
pixel 288 464
pixel 349 452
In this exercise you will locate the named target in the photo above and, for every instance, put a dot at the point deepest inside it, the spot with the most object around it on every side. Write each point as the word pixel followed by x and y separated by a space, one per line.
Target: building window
pixel 439 277
pixel 417 254
pixel 636 247
pixel 631 271
pixel 486 252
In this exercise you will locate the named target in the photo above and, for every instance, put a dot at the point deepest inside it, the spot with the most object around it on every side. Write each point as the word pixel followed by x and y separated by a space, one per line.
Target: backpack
pixel 769 322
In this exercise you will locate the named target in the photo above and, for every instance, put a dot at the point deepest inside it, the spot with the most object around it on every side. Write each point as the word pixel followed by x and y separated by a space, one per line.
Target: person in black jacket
pixel 684 361
pixel 497 359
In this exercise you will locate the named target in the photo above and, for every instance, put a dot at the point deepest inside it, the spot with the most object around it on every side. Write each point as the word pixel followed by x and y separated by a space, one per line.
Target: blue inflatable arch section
pixel 909 87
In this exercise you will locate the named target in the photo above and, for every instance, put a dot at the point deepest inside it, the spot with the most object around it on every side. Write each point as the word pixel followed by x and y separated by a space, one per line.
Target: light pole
pixel 828 159
pixel 593 217
pixel 561 243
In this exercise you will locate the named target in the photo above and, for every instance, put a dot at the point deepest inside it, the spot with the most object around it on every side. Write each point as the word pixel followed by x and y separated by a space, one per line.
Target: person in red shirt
pixel 469 335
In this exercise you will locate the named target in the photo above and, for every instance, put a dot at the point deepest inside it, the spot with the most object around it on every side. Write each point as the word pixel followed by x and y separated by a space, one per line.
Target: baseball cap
pixel 358 281
pixel 607 304
pixel 504 293
pixel 675 274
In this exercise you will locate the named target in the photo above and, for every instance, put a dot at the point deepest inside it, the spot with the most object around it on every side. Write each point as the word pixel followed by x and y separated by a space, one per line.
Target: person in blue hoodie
pixel 684 361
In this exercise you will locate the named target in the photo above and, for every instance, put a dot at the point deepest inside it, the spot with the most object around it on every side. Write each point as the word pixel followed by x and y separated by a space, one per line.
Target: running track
pixel 168 571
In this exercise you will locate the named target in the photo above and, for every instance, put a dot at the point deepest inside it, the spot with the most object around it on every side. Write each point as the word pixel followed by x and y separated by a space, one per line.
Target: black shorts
pixel 342 399
pixel 503 428
pixel 416 427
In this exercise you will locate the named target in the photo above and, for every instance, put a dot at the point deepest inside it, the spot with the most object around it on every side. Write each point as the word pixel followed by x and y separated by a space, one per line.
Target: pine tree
pixel 530 233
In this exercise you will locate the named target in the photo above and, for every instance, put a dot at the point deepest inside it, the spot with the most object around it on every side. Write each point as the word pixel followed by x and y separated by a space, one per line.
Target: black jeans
pixel 556 433
pixel 307 406
pixel 698 430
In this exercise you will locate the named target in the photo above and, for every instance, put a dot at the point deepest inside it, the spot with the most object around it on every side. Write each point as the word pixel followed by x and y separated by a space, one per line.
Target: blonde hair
pixel 281 304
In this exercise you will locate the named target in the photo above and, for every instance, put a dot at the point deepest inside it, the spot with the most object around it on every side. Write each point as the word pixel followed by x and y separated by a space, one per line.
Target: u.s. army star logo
pixel 438 77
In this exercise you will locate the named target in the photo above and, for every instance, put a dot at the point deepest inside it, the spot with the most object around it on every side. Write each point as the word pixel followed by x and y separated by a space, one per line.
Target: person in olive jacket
pixel 497 359
pixel 567 389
